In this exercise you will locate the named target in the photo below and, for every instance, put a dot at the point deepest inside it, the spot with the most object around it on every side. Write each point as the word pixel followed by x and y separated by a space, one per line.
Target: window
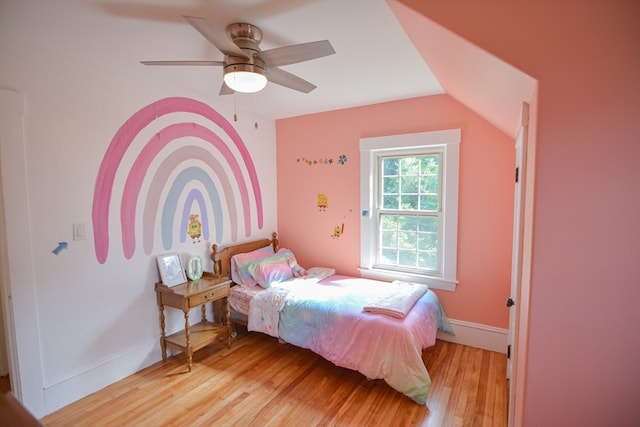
pixel 409 199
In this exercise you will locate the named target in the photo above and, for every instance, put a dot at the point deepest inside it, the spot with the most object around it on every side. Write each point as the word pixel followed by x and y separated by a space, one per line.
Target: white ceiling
pixel 374 62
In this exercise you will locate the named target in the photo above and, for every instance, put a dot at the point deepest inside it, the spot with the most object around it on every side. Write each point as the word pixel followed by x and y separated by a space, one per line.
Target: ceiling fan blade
pixel 286 79
pixel 296 53
pixel 215 37
pixel 209 63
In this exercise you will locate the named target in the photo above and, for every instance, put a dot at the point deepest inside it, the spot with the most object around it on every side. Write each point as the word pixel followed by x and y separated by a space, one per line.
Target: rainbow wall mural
pixel 175 174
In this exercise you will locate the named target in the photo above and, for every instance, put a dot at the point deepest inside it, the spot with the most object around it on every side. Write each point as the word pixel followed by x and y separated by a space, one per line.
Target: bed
pixel 376 328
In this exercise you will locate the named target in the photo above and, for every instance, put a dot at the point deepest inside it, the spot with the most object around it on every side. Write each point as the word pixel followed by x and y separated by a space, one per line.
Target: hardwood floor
pixel 260 382
pixel 5 384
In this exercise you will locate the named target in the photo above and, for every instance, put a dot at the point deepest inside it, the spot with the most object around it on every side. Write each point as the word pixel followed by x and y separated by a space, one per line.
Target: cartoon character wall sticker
pixel 338 230
pixel 323 202
pixel 194 229
pixel 323 206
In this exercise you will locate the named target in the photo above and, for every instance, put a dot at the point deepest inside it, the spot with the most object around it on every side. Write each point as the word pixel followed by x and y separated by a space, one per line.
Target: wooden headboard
pixel 222 257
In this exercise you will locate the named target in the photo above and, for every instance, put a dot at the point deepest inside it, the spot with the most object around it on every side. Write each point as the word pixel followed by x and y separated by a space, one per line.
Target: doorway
pixel 518 300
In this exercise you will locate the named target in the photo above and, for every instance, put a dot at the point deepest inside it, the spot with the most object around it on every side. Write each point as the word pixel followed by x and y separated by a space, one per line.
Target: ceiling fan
pixel 247 68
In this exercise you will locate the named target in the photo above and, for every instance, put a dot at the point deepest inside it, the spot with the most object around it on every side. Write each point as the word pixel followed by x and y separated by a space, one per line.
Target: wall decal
pixel 323 202
pixel 120 145
pixel 61 246
pixel 194 230
pixel 337 231
pixel 326 161
pixel 194 195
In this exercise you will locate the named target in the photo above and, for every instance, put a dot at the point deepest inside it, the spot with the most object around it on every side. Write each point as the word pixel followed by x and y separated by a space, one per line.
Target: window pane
pixel 407 240
pixel 390 166
pixel 388 222
pixel 428 224
pixel 391 185
pixel 410 166
pixel 389 256
pixel 428 242
pixel 430 164
pixel 428 260
pixel 429 184
pixel 407 258
pixel 409 223
pixel 409 184
pixel 390 202
pixel 429 203
pixel 389 239
pixel 409 202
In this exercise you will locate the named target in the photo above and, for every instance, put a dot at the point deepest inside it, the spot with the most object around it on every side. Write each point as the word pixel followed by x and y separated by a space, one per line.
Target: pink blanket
pixel 328 318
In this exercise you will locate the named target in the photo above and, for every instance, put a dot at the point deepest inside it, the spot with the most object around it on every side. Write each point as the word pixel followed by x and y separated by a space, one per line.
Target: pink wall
pixel 486 194
pixel 584 339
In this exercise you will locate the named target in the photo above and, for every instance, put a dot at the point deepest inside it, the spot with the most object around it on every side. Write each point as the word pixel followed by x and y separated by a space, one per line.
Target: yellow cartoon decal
pixel 195 228
pixel 337 231
pixel 323 202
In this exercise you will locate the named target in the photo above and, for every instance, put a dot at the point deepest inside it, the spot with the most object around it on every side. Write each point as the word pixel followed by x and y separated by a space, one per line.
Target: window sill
pixel 389 276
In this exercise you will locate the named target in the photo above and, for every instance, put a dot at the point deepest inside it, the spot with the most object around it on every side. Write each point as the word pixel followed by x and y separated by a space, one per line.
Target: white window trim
pixel 369 149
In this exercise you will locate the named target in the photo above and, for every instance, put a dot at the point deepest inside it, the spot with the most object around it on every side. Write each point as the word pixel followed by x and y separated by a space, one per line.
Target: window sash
pixel 390 253
pixel 401 183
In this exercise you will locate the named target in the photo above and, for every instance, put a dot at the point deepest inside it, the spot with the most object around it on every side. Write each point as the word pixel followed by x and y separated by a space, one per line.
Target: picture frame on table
pixel 171 270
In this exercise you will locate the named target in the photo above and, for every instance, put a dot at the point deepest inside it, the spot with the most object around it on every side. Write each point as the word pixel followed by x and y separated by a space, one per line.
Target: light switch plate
pixel 79 232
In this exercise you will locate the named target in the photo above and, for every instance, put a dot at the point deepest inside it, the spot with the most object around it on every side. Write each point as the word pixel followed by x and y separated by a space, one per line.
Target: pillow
pixel 274 269
pixel 240 263
pixel 298 270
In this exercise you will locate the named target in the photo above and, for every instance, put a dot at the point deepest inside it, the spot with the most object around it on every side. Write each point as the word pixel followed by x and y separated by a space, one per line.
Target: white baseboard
pixel 65 391
pixel 477 335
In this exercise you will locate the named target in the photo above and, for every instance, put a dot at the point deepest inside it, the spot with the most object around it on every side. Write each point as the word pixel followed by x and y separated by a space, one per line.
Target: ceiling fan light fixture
pixel 245 78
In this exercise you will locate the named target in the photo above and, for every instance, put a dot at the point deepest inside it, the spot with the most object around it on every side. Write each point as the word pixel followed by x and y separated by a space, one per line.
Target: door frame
pixel 518 235
pixel 18 280
pixel 521 263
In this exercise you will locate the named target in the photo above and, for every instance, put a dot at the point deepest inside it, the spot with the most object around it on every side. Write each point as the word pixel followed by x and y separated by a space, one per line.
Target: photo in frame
pixel 171 270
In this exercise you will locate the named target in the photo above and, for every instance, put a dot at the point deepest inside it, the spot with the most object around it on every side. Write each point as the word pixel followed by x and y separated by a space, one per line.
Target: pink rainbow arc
pixel 124 138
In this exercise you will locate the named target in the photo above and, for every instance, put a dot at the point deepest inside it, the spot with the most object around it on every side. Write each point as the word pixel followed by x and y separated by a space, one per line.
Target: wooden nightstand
pixel 188 295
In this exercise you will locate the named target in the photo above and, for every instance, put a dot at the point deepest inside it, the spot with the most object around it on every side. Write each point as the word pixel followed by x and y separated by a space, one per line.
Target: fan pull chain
pixel 235 116
pixel 255 110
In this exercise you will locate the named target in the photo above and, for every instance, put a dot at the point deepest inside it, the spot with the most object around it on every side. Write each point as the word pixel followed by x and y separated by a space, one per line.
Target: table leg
pixel 163 337
pixel 187 334
pixel 228 322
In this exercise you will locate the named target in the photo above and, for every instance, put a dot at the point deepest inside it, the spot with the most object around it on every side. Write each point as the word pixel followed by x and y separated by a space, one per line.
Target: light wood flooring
pixel 260 382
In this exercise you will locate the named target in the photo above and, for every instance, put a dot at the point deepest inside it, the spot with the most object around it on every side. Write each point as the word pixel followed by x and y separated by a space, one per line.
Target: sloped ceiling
pixel 481 81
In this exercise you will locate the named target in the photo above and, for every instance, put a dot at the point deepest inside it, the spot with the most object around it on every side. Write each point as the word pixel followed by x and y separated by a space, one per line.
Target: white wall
pixel 96 323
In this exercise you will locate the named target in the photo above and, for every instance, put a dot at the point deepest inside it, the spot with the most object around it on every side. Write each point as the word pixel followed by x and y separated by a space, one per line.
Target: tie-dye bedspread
pixel 328 317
